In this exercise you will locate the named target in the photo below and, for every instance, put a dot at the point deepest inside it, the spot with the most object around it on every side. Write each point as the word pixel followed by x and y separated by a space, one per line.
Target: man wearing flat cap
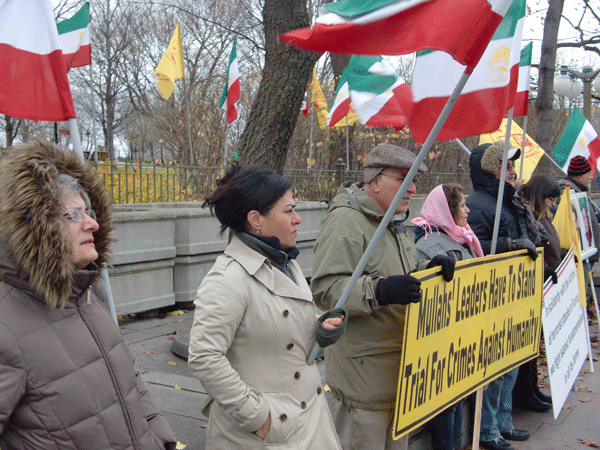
pixel 362 367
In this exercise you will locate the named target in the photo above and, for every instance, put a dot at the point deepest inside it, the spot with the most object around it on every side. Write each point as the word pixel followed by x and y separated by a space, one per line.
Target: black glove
pixel 518 244
pixel 447 264
pixel 398 290
pixel 549 272
pixel 328 336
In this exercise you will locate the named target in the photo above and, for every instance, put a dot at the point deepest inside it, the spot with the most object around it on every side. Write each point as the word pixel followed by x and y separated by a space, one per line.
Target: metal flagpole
pixel 225 145
pixel 502 181
pixel 310 139
pixel 463 146
pixel 93 117
pixel 479 392
pixel 347 145
pixel 593 289
pixel 75 138
pixel 360 267
pixel 187 113
pixel 93 114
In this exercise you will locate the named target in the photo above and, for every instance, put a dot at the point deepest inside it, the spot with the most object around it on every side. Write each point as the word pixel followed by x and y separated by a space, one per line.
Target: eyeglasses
pixel 78 214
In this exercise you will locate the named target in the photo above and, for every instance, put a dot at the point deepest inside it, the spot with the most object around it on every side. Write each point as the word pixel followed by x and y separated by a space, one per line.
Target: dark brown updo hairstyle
pixel 453 193
pixel 243 189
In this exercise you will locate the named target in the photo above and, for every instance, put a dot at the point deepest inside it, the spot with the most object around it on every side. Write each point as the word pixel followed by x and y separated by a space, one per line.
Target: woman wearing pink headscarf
pixel 442 229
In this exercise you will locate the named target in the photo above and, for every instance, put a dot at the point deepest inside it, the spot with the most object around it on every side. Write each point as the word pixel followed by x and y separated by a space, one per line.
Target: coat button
pixel 286 313
pixel 283 417
pixel 290 346
pixel 303 405
pixel 319 390
pixel 297 375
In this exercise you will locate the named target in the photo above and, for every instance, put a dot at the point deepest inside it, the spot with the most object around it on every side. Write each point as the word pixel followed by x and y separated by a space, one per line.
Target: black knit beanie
pixel 578 165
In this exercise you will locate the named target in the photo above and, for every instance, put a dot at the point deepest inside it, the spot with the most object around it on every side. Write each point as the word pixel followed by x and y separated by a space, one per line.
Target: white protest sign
pixel 564 321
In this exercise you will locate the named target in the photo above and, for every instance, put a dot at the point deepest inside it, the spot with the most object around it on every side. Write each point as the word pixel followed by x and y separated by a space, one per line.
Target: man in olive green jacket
pixel 362 367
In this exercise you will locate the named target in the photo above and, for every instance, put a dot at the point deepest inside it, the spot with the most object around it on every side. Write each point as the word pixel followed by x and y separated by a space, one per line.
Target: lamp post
pixel 569 82
pixel 160 141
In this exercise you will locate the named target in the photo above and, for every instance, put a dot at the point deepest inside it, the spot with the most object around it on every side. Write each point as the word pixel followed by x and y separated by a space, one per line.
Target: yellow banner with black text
pixel 467 332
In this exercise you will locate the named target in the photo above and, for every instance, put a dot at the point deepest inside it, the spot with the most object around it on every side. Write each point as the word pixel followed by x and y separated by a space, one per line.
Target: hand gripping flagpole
pixel 360 267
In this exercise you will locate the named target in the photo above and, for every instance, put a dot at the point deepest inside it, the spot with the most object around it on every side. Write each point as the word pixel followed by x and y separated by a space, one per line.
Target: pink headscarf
pixel 436 213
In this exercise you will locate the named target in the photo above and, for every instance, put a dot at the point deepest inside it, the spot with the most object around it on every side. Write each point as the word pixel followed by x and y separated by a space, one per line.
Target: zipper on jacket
pixel 121 397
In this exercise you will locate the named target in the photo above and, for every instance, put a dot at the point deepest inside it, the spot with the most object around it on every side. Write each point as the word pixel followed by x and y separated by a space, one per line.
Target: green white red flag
pixel 74 36
pixel 488 94
pixel 579 138
pixel 461 28
pixel 341 106
pixel 522 97
pixel 379 95
pixel 231 91
pixel 34 78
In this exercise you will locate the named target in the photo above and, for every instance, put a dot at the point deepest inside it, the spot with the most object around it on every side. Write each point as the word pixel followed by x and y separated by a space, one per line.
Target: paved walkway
pixel 180 396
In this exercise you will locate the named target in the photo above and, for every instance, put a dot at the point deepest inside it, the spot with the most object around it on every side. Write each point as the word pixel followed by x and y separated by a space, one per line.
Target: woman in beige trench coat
pixel 255 324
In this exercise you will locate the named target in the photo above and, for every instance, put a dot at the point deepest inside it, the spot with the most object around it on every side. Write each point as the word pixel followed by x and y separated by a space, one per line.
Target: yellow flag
pixel 170 67
pixel 533 152
pixel 564 222
pixel 318 100
pixel 352 118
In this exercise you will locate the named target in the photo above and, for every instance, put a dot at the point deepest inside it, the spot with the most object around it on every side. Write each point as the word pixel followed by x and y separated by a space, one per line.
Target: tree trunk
pixel 276 108
pixel 338 63
pixel 545 97
pixel 109 137
pixel 9 129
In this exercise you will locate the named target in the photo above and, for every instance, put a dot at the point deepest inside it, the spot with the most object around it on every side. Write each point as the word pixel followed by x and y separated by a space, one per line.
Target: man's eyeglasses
pixel 78 214
pixel 509 165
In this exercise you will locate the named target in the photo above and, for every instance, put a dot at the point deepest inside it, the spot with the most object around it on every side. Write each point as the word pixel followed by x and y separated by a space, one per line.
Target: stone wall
pixel 162 251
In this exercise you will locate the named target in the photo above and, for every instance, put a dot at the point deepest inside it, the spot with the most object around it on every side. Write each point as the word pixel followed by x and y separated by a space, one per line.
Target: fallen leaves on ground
pixel 588 442
pixel 582 388
pixel 148 353
pixel 172 363
pixel 584 400
pixel 180 446
pixel 176 387
pixel 567 406
pixel 178 312
pixel 172 335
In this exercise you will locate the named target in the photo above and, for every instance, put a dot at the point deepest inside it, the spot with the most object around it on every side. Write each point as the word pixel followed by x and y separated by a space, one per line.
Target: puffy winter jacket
pixel 67 380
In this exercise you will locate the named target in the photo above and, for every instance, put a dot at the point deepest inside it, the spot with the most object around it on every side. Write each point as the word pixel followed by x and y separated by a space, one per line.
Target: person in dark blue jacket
pixel 518 229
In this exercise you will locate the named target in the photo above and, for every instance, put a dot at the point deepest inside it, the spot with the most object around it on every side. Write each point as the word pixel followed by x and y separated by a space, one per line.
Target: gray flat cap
pixel 388 155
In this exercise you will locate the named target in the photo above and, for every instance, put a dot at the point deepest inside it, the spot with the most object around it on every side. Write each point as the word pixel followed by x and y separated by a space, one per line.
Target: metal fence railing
pixel 139 183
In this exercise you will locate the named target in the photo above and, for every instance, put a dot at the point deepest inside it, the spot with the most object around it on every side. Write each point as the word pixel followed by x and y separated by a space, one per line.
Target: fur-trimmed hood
pixel 34 239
